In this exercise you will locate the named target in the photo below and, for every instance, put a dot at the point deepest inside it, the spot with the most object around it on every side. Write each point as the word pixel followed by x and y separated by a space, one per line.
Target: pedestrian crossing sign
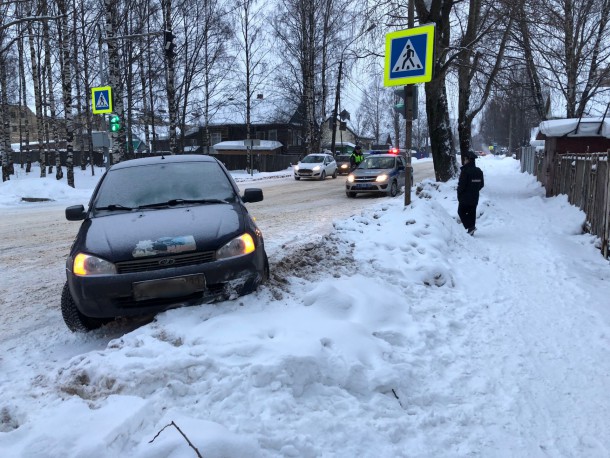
pixel 101 99
pixel 409 56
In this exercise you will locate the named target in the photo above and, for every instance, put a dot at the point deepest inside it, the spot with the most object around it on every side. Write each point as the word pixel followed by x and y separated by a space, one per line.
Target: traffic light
pixel 169 43
pixel 399 107
pixel 115 123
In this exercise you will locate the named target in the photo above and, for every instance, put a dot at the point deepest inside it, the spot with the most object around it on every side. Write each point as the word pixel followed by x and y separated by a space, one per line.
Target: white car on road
pixel 317 166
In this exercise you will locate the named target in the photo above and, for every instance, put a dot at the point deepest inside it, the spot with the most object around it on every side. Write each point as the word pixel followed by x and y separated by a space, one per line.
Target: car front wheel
pixel 334 174
pixel 76 321
pixel 393 189
pixel 350 194
pixel 323 175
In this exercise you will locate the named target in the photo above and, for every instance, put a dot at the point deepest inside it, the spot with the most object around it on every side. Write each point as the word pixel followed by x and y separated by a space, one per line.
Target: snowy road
pixel 34 243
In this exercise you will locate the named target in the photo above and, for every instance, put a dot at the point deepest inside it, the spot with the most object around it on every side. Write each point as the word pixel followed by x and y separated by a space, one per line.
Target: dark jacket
pixel 470 183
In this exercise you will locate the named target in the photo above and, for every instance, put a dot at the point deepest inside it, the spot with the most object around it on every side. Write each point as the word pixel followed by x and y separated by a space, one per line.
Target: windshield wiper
pixel 173 202
pixel 113 207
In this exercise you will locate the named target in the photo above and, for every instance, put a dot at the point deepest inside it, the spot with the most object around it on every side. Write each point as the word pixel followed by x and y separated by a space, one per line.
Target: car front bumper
pixel 371 186
pixel 139 293
pixel 308 174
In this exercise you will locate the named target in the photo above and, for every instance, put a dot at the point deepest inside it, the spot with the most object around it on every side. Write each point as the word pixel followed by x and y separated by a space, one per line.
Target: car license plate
pixel 361 186
pixel 168 287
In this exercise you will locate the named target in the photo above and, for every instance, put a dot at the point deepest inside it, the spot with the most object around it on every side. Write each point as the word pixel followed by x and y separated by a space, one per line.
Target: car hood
pixel 310 165
pixel 370 172
pixel 158 232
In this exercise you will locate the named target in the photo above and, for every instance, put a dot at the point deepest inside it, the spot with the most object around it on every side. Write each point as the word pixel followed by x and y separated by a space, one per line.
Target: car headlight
pixel 296 168
pixel 350 178
pixel 316 168
pixel 85 265
pixel 239 246
pixel 343 166
pixel 382 177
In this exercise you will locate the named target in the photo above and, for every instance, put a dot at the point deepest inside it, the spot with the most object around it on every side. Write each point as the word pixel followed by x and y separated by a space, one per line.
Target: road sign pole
pixel 408 140
pixel 409 117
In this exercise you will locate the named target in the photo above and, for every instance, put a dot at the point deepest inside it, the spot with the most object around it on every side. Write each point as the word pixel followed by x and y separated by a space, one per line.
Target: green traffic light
pixel 115 123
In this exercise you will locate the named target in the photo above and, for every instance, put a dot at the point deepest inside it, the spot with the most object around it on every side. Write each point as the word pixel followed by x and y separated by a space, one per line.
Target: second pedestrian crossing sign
pixel 101 99
pixel 409 56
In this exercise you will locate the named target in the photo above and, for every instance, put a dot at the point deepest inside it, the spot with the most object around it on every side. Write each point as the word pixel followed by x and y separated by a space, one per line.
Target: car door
pixel 401 166
pixel 331 165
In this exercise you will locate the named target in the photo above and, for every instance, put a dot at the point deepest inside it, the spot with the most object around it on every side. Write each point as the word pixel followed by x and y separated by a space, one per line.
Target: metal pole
pixel 105 151
pixel 409 118
pixel 334 119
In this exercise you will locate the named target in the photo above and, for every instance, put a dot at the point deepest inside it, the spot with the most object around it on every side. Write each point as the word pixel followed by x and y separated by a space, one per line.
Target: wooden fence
pixel 261 162
pixel 585 180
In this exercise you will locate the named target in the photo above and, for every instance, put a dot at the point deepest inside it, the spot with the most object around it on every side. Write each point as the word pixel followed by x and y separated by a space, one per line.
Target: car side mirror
pixel 252 195
pixel 76 213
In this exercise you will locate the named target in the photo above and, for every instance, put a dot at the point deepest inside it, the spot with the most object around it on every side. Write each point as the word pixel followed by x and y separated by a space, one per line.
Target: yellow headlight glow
pixel 86 264
pixel 239 246
pixel 382 177
pixel 248 243
pixel 350 178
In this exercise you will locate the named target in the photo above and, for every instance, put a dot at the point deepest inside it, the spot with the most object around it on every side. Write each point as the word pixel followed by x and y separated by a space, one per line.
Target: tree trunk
pixel 4 119
pixel 37 98
pixel 24 98
pixel 52 122
pixel 88 113
pixel 171 90
pixel 114 71
pixel 437 108
pixel 441 140
pixel 66 79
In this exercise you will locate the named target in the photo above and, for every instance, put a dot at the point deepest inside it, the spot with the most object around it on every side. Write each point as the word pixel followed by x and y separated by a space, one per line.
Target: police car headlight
pixel 350 178
pixel 381 178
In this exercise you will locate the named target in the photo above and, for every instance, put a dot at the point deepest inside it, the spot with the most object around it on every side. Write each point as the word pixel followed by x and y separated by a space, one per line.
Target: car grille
pixel 165 262
pixel 364 179
pixel 305 172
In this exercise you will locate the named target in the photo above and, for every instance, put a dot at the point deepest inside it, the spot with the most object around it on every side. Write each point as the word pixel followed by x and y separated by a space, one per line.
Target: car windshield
pixel 172 183
pixel 375 162
pixel 312 159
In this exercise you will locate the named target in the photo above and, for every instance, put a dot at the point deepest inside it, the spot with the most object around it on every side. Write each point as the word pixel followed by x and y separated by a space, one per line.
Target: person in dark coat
pixel 469 184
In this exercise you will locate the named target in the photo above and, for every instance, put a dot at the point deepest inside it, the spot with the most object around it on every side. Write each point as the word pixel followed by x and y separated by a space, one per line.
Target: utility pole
pixel 333 123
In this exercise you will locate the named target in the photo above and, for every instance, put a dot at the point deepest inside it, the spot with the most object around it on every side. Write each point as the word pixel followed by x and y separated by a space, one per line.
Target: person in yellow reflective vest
pixel 356 158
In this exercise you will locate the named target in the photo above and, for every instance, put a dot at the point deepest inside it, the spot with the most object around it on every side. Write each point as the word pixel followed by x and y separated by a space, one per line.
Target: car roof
pixel 169 158
pixel 385 155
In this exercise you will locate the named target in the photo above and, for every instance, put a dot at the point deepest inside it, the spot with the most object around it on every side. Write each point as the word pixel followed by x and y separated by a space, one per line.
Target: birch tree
pixel 565 47
pixel 252 52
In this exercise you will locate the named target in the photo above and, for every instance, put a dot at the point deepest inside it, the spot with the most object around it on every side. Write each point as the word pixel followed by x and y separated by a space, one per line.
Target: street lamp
pixel 334 119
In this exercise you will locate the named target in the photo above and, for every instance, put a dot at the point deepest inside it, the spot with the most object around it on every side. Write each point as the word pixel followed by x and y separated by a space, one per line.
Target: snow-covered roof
pixel 574 127
pixel 238 145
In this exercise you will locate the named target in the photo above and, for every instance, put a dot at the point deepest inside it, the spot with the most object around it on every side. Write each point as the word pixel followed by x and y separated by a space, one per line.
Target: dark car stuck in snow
pixel 159 233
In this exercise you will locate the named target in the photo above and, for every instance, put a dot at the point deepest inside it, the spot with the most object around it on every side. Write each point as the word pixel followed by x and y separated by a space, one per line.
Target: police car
pixel 378 173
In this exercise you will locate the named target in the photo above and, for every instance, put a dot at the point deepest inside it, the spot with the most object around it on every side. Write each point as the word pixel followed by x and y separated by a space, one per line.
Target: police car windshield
pixel 373 162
